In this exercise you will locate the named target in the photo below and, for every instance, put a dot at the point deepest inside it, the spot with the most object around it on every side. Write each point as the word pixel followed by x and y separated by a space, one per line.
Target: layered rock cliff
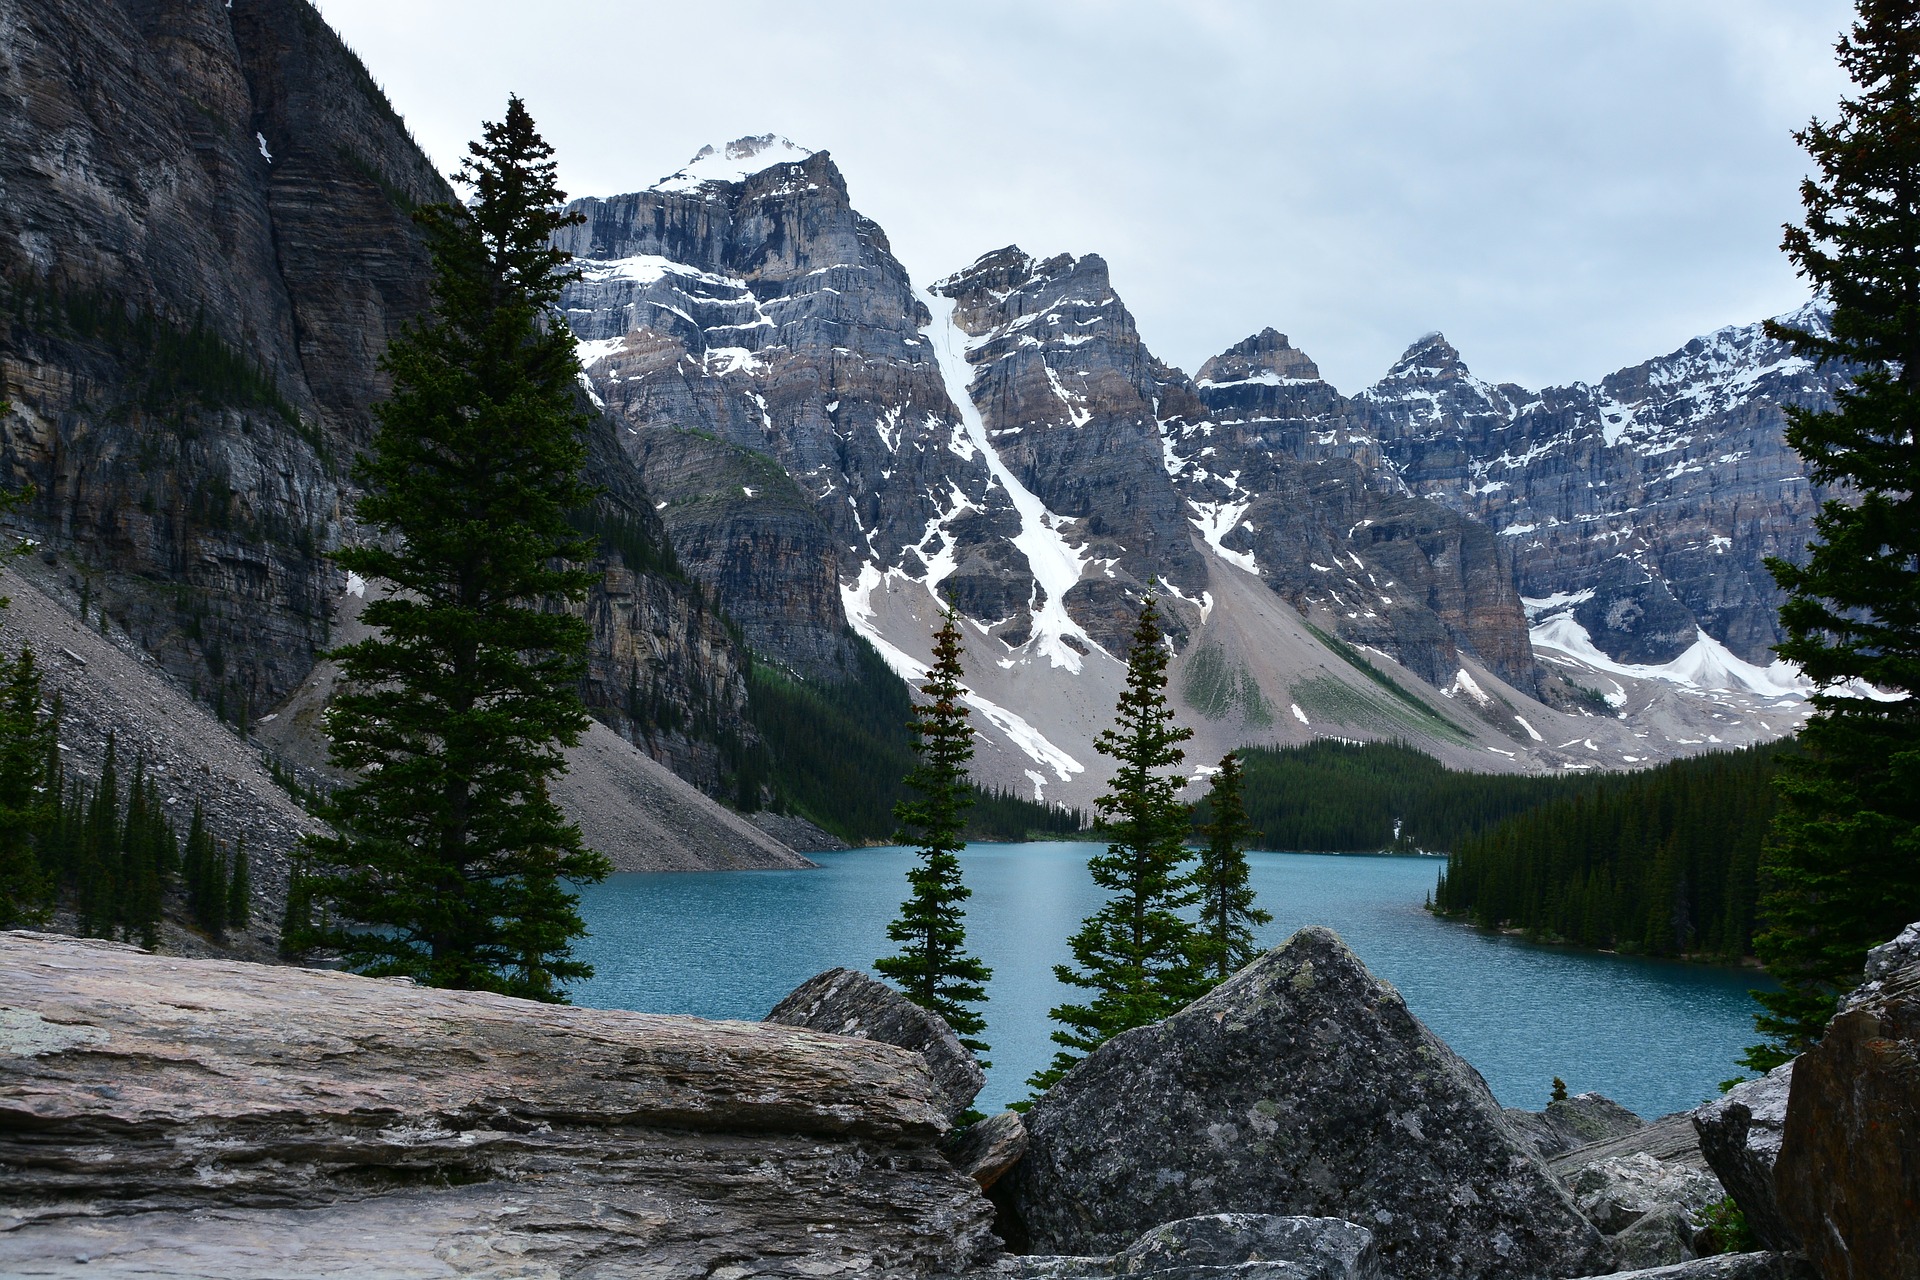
pixel 1654 495
pixel 205 246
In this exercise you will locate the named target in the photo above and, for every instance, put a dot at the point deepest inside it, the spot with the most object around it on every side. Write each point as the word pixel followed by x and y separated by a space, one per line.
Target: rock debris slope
pixel 223 1119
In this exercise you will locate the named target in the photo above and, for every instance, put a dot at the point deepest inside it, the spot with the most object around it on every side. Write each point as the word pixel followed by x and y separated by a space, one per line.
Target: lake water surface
pixel 1656 1036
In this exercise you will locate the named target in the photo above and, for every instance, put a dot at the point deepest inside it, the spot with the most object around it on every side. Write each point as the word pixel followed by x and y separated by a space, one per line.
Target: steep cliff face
pixel 1289 481
pixel 1640 508
pixel 760 310
pixel 206 245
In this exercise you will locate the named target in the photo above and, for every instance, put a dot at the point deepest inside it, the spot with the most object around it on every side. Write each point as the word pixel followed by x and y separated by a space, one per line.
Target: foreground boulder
pixel 1227 1246
pixel 1301 1086
pixel 1573 1122
pixel 161 1116
pixel 1727 1266
pixel 985 1151
pixel 846 1002
pixel 1848 1174
pixel 1740 1134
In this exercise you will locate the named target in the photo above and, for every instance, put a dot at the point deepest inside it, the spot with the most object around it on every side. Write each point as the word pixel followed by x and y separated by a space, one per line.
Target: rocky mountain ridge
pixel 1004 438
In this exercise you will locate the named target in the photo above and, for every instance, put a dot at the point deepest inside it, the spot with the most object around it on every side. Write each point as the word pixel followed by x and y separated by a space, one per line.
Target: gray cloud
pixel 1563 187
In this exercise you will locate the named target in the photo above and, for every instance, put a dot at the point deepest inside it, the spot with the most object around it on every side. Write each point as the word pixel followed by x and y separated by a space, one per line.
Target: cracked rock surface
pixel 160 1115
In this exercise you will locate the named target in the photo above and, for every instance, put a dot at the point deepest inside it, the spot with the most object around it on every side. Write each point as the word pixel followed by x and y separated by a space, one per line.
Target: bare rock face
pixel 1227 1246
pixel 1848 1174
pixel 848 1003
pixel 986 1150
pixel 1568 1123
pixel 1302 1085
pixel 1740 1134
pixel 165 1115
pixel 1728 1266
pixel 1654 494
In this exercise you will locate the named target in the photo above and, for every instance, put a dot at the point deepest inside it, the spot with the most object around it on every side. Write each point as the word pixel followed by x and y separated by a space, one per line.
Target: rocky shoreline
pixel 215 1118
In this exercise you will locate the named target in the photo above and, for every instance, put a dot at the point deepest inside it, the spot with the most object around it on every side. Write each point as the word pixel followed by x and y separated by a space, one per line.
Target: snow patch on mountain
pixel 735 162
pixel 1706 665
pixel 1056 565
pixel 857 599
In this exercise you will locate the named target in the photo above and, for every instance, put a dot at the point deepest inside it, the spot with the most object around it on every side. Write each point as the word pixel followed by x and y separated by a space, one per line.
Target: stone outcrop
pixel 986 1150
pixel 1740 1134
pixel 1302 1085
pixel 1730 1266
pixel 161 1115
pixel 1226 1246
pixel 1649 1208
pixel 1573 1122
pixel 1847 1179
pixel 849 1003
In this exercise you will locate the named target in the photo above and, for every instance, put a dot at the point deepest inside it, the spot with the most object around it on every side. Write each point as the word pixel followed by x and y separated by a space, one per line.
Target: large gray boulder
pixel 164 1117
pixel 1848 1176
pixel 985 1151
pixel 1740 1134
pixel 849 1003
pixel 1300 1086
pixel 1226 1246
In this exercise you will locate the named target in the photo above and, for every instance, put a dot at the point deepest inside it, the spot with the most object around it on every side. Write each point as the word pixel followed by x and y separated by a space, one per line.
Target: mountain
pixel 206 243
pixel 835 451
pixel 802 450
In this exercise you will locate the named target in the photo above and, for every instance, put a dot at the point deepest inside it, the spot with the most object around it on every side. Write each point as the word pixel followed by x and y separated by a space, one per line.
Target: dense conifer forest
pixel 1343 797
pixel 1663 862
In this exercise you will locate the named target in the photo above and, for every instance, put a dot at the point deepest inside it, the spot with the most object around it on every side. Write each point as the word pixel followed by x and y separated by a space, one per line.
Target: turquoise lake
pixel 1656 1036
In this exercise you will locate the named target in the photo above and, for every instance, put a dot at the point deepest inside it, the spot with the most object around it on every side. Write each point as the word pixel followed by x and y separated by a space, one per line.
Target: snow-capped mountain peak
pixel 734 162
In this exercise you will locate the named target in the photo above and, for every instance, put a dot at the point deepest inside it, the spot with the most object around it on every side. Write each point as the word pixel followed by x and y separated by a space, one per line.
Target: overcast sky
pixel 1561 186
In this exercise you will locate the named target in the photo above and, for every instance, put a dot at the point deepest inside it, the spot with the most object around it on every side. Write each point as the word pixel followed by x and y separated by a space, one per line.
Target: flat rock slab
pixel 1728 1266
pixel 1301 1086
pixel 154 1108
pixel 847 1002
pixel 1227 1246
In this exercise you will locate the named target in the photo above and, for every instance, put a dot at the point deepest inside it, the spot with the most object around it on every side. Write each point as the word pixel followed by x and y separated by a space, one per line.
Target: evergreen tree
pixel 932 966
pixel 1136 952
pixel 1224 943
pixel 27 805
pixel 240 888
pixel 1843 871
pixel 449 856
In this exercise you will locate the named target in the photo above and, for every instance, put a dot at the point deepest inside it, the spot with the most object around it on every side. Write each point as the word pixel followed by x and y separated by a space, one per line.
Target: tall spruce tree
pixel 28 798
pixel 1136 953
pixel 449 861
pixel 933 967
pixel 1843 870
pixel 1224 942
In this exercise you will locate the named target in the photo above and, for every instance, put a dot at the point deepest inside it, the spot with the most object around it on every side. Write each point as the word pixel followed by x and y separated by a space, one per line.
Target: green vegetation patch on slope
pixel 836 753
pixel 1663 862
pixel 1218 687
pixel 1406 709
pixel 1341 797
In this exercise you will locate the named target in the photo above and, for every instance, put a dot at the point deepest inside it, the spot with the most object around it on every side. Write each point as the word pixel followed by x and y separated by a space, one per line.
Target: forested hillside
pixel 1662 862
pixel 1341 797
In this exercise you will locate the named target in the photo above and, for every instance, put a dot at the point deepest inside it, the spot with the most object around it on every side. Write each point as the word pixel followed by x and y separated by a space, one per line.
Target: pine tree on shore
pixel 932 967
pixel 1224 943
pixel 1136 953
pixel 448 859
pixel 1842 873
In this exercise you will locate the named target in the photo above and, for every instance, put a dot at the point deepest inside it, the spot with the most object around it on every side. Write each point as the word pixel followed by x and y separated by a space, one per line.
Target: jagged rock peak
pixel 1430 354
pixel 1266 356
pixel 1004 270
pixel 735 162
